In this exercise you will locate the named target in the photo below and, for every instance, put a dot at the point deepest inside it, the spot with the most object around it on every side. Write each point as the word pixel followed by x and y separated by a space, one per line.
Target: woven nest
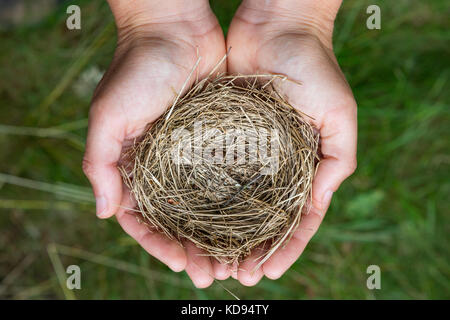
pixel 229 167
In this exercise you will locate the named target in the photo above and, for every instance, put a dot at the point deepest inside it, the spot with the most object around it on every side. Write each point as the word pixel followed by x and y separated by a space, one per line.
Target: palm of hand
pixel 141 82
pixel 316 87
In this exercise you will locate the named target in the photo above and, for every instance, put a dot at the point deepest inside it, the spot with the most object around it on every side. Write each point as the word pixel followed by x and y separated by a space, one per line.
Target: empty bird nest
pixel 229 167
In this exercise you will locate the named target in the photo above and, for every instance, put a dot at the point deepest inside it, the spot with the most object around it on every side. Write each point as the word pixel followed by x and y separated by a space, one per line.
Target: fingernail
pixel 101 206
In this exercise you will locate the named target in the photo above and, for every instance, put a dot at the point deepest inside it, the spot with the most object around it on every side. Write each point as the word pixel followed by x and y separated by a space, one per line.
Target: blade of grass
pixel 35 204
pixel 71 192
pixel 120 265
pixel 16 272
pixel 59 270
pixel 74 70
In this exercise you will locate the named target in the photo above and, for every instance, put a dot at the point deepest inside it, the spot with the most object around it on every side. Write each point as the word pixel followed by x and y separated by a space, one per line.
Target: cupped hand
pixel 153 59
pixel 281 37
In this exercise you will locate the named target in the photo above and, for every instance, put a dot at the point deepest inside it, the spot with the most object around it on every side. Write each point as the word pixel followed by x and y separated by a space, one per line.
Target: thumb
pixel 338 139
pixel 103 149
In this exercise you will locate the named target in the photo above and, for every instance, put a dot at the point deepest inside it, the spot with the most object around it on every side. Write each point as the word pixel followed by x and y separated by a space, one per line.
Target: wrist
pixel 145 13
pixel 142 20
pixel 310 17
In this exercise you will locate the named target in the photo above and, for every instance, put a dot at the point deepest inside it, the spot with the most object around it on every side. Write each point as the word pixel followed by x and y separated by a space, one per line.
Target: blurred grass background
pixel 393 212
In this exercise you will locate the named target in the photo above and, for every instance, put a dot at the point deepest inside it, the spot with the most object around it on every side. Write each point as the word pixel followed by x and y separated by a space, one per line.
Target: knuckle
pixel 351 102
pixel 95 108
pixel 352 166
pixel 305 234
pixel 88 168
pixel 348 103
pixel 98 107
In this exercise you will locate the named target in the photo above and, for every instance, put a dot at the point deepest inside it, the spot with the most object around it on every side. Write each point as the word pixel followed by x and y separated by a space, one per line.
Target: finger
pixel 198 267
pixel 338 146
pixel 234 270
pixel 247 275
pixel 338 138
pixel 282 259
pixel 221 270
pixel 156 244
pixel 128 204
pixel 103 149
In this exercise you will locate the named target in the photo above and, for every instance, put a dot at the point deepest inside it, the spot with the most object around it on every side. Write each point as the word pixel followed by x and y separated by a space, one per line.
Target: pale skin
pixel 159 42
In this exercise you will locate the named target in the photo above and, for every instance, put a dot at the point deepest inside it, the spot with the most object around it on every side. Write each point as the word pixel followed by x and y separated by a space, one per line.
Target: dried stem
pixel 226 207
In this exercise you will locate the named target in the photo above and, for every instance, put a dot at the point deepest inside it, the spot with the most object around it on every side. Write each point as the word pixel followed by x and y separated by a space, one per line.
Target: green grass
pixel 393 212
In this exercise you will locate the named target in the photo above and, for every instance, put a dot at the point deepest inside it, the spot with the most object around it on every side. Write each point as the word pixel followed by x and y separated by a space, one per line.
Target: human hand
pixel 158 45
pixel 294 38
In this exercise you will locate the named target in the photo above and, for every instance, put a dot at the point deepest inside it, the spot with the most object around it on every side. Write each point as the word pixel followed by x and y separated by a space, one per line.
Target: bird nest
pixel 229 167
